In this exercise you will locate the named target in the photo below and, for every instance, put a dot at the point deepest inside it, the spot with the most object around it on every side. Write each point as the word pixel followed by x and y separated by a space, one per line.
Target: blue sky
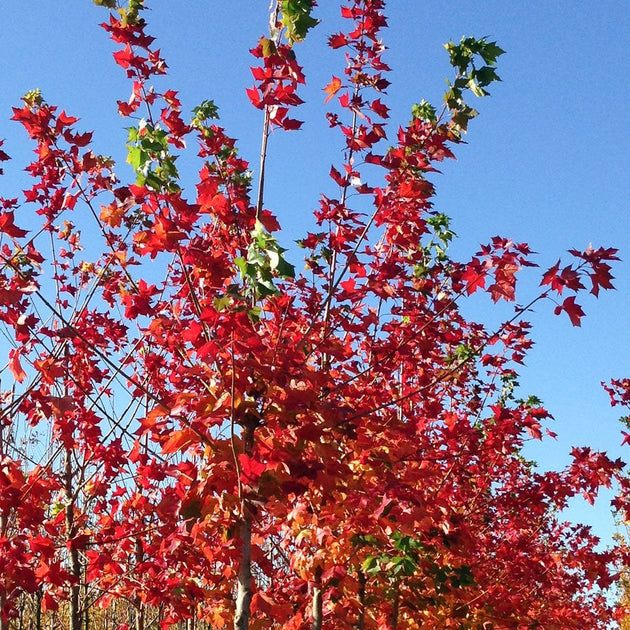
pixel 546 161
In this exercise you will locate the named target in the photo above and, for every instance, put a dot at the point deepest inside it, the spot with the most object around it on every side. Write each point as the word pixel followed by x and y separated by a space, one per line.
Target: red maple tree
pixel 232 442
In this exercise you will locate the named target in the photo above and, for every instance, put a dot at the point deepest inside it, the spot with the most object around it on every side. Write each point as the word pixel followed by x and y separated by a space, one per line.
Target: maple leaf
pixel 15 366
pixel 251 469
pixel 474 277
pixel 372 413
pixel 573 310
pixel 49 603
pixel 125 57
pixel 8 227
pixel 179 441
pixel 332 88
pixel 550 277
pixel 601 278
pixel 338 40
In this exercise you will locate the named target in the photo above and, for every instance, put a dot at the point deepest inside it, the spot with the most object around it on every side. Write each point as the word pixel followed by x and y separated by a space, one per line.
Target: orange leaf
pixel 332 88
pixel 15 366
pixel 179 441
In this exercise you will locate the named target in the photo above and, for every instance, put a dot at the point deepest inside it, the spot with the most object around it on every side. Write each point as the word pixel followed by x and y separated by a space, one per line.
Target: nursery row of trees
pixel 196 434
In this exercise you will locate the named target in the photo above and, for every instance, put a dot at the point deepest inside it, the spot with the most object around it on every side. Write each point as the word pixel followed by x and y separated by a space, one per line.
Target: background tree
pixel 228 441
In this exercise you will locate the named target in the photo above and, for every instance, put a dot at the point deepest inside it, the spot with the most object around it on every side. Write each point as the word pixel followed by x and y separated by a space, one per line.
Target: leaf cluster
pixel 470 76
pixel 149 155
pixel 297 19
pixel 265 261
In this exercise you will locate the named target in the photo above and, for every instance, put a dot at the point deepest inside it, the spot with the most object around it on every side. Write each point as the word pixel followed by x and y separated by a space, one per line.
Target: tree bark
pixel 244 589
pixel 38 610
pixel 139 614
pixel 244 585
pixel 74 622
pixel 317 608
pixel 393 617
pixel 4 621
pixel 361 620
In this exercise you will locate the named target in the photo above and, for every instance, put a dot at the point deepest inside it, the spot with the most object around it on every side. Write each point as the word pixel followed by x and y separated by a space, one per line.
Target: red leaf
pixel 124 57
pixel 550 277
pixel 3 156
pixel 379 108
pixel 254 96
pixel 8 227
pixel 269 221
pixel 474 276
pixel 251 470
pixel 15 366
pixel 337 41
pixel 337 177
pixel 573 310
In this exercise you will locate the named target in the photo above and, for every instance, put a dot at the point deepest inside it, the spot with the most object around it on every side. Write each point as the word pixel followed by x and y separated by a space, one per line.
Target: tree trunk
pixel 317 608
pixel 392 621
pixel 316 611
pixel 361 620
pixel 244 586
pixel 244 592
pixel 4 621
pixel 139 621
pixel 74 621
pixel 139 604
pixel 85 604
pixel 38 610
pixel 23 612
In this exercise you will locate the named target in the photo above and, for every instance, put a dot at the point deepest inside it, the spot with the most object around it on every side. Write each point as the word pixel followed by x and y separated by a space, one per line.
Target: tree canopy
pixel 199 433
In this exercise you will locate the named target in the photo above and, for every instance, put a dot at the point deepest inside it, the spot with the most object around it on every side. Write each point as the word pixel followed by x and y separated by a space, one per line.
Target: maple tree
pixel 231 441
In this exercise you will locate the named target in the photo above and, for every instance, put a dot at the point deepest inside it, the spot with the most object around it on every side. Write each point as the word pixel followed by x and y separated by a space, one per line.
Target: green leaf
pixel 369 565
pixel 254 314
pixel 424 111
pixel 297 19
pixel 151 180
pixel 274 258
pixel 207 110
pixel 476 89
pixel 241 265
pixel 221 303
pixel 134 157
pixel 463 57
pixel 486 75
pixel 490 52
pixel 285 269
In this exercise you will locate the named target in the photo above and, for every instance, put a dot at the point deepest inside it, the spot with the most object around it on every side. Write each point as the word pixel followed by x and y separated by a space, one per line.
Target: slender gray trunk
pixel 74 621
pixel 4 621
pixel 244 589
pixel 244 586
pixel 139 619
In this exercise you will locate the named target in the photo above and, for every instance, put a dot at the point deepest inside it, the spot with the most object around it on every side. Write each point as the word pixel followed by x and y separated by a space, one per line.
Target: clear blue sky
pixel 546 161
